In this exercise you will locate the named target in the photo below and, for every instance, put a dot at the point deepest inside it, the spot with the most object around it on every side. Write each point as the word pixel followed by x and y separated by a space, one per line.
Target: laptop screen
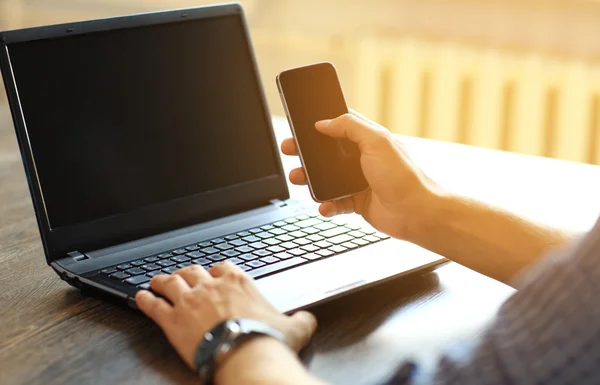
pixel 125 119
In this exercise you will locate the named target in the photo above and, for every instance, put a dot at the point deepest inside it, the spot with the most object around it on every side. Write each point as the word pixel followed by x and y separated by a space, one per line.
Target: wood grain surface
pixel 51 333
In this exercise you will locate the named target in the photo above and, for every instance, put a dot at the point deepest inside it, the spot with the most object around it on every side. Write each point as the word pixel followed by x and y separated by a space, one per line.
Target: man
pixel 546 333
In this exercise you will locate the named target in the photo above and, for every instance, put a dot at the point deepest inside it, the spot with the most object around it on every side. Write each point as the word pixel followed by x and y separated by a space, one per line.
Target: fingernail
pixel 322 124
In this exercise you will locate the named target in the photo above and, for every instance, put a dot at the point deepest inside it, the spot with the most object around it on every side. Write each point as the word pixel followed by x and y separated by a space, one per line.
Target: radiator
pixel 522 102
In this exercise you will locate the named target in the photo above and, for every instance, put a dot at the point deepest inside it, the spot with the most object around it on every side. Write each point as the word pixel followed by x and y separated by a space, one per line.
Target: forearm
pixel 263 361
pixel 488 240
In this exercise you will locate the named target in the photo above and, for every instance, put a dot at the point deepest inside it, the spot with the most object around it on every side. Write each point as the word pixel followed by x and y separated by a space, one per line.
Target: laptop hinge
pixel 278 203
pixel 77 256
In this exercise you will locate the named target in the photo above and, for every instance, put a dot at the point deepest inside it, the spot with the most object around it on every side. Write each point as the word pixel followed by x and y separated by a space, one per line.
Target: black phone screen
pixel 311 94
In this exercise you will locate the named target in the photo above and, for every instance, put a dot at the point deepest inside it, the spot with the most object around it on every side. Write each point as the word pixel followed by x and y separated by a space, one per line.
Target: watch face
pixel 209 344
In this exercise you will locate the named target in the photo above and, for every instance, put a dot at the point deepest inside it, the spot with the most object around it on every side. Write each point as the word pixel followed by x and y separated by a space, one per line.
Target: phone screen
pixel 311 94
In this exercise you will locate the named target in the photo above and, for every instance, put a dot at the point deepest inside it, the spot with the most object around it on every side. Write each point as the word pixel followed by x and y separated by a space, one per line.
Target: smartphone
pixel 310 94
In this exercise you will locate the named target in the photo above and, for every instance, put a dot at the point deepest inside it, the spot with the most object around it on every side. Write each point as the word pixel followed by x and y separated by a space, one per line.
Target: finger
pixel 364 118
pixel 194 275
pixel 298 177
pixel 305 325
pixel 353 128
pixel 343 206
pixel 157 309
pixel 171 286
pixel 221 269
pixel 288 147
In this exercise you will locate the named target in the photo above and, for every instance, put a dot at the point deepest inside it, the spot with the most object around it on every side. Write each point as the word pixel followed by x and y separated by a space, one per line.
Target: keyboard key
pixel 195 254
pixel 238 242
pixel 269 259
pixel 291 220
pixel 164 255
pixel 224 246
pixel 155 273
pixel 243 234
pixel 205 244
pixel 137 280
pixel 214 264
pixel 291 228
pixel 120 275
pixel 151 259
pixel 202 261
pixel 267 227
pixel 248 257
pixel 350 245
pixel 302 217
pixel 145 286
pixel 323 244
pixel 338 249
pixel 272 241
pixel 334 232
pixel 179 251
pixel 258 245
pixel 244 249
pixel 180 259
pixel 275 267
pixel 381 235
pixel 251 239
pixel 216 257
pixel 360 241
pixel 313 215
pixel 324 253
pixel 279 224
pixel 265 235
pixel 185 264
pixel 151 266
pixel 277 231
pixel 235 261
pixel 338 221
pixel 192 248
pixel 312 256
pixel 110 270
pixel 124 266
pixel 276 249
pixel 356 234
pixel 216 241
pixel 315 238
pixel 262 253
pixel 289 245
pixel 302 241
pixel 298 234
pixel 139 263
pixel 325 226
pixel 255 263
pixel 371 239
pixel 310 230
pixel 170 270
pixel 296 252
pixel 337 240
pixel 283 255
pixel 230 237
pixel 230 253
pixel 166 263
pixel 244 267
pixel 354 226
pixel 255 231
pixel 325 219
pixel 308 223
pixel 285 238
pixel 310 248
pixel 210 250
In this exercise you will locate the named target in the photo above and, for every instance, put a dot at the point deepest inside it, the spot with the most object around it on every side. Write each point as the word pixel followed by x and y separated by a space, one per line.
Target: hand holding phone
pixel 332 165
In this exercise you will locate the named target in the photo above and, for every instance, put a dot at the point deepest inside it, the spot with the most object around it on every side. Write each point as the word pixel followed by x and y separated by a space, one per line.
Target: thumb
pixel 351 127
pixel 303 326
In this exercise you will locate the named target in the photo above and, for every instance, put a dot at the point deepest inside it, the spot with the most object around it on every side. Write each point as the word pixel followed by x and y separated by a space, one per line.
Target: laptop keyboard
pixel 259 251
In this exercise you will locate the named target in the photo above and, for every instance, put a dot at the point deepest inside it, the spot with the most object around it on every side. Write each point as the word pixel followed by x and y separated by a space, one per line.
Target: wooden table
pixel 52 334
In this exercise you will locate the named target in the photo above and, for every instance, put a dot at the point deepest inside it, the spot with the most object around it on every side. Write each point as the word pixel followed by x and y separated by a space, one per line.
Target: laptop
pixel 148 146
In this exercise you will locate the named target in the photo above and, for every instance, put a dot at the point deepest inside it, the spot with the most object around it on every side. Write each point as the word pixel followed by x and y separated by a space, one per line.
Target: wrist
pixel 260 360
pixel 426 213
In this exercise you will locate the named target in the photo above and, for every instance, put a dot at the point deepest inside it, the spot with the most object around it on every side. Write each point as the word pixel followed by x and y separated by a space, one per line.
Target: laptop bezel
pixel 158 218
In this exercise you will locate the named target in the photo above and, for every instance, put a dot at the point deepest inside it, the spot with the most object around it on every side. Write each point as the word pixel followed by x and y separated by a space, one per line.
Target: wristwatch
pixel 223 338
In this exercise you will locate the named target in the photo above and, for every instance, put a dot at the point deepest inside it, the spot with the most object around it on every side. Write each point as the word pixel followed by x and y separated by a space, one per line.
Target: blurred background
pixel 516 75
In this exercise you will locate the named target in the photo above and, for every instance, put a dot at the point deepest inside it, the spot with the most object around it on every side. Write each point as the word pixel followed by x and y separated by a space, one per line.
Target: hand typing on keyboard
pixel 399 190
pixel 200 299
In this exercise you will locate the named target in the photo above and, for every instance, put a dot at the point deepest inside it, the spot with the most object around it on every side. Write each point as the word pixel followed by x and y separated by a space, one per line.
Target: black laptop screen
pixel 125 119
